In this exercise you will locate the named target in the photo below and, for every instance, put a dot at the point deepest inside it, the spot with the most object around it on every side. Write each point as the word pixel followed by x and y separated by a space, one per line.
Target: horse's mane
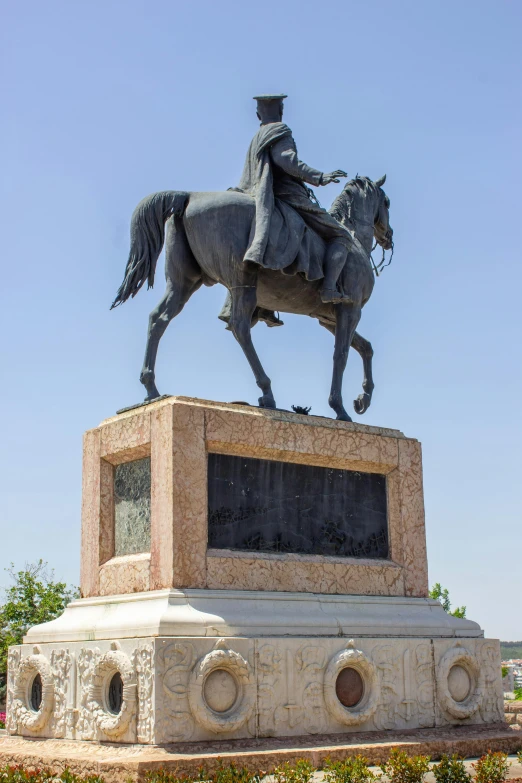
pixel 340 208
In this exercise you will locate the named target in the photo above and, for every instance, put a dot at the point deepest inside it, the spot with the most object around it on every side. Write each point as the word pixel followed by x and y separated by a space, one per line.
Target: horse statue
pixel 207 237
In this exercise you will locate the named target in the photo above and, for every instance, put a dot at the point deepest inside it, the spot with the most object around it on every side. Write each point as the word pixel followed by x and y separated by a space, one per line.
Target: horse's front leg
pixel 347 317
pixel 244 302
pixel 365 350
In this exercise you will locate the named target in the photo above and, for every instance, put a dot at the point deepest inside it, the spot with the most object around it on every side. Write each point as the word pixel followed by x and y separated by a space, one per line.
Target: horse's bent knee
pixel 341 355
pixel 240 329
pixel 163 314
pixel 362 346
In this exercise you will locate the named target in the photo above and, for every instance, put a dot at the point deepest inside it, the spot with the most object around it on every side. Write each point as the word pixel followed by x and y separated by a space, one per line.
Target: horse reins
pixel 381 265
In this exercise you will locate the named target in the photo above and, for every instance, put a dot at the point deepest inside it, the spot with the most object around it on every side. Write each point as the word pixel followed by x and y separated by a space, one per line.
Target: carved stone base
pixel 171 689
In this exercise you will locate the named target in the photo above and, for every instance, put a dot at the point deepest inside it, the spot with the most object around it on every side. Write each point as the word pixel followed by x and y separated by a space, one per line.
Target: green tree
pixel 441 594
pixel 33 598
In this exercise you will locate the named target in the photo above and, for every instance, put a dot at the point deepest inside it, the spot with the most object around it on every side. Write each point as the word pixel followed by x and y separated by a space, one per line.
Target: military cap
pixel 269 97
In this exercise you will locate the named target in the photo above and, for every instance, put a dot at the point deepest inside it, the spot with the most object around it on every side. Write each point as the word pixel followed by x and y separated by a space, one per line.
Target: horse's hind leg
pixel 243 306
pixel 365 350
pixel 183 278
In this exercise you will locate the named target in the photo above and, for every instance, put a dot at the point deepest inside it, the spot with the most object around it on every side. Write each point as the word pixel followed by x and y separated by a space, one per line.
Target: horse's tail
pixel 147 237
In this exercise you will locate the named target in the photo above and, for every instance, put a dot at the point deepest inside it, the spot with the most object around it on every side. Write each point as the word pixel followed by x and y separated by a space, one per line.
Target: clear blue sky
pixel 105 102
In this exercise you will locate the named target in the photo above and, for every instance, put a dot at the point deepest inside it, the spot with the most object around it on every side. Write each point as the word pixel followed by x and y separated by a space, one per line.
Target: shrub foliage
pixel 33 598
pixel 350 770
pixel 441 594
pixel 451 769
pixel 491 768
pixel 401 768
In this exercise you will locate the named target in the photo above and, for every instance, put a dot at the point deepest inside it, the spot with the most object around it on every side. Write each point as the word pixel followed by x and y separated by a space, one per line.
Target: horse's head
pixel 381 224
pixel 363 207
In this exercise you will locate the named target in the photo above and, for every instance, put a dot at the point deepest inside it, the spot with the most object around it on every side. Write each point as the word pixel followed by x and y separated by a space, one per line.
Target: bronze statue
pixel 272 246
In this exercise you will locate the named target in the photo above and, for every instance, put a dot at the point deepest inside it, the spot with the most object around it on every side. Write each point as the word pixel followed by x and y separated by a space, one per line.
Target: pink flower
pixel 2 717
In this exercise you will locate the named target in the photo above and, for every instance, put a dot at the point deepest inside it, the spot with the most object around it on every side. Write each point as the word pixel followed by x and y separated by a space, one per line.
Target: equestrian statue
pixel 271 244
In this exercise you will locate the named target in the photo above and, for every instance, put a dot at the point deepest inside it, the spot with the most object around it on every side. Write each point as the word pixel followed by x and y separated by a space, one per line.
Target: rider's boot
pixel 268 316
pixel 260 314
pixel 334 261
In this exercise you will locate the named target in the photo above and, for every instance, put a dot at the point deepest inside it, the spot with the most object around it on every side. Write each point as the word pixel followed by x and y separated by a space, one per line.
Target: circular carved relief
pixel 460 683
pixel 33 692
pixel 351 687
pixel 221 691
pixel 35 696
pixel 114 688
pixel 115 694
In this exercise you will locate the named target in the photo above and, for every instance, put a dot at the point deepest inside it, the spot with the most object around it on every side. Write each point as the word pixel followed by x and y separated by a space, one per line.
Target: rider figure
pixel 289 177
pixel 274 143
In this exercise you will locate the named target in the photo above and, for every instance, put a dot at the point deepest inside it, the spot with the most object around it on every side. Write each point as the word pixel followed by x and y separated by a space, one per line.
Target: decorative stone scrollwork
pixel 144 666
pixel 61 663
pixel 13 661
pixel 311 660
pixel 222 690
pixel 174 721
pixel 350 658
pixel 269 661
pixel 460 683
pixel 386 659
pixel 492 704
pixel 87 661
pixel 313 708
pixel 424 685
pixel 25 713
pixel 113 662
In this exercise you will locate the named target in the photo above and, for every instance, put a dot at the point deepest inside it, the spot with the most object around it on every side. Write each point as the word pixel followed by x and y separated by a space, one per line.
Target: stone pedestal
pixel 247 574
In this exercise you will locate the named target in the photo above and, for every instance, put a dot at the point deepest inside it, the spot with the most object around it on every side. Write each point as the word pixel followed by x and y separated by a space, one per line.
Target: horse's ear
pixel 380 182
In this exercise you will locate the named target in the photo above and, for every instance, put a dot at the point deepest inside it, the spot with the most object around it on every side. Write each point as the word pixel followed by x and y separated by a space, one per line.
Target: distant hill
pixel 510 650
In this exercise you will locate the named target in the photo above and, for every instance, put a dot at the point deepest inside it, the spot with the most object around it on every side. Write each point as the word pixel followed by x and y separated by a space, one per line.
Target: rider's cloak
pixel 257 181
pixel 274 176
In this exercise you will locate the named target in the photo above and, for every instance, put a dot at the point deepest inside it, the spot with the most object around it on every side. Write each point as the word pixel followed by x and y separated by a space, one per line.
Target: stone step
pixel 117 762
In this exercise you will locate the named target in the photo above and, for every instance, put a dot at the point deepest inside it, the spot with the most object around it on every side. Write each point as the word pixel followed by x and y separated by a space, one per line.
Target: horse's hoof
pixel 362 403
pixel 147 379
pixel 343 417
pixel 152 393
pixel 267 401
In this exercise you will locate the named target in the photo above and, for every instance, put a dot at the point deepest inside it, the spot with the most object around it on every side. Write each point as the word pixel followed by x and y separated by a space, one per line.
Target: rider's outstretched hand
pixel 333 176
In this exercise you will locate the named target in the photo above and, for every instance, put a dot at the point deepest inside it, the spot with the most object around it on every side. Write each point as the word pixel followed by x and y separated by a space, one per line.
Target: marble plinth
pixel 178 434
